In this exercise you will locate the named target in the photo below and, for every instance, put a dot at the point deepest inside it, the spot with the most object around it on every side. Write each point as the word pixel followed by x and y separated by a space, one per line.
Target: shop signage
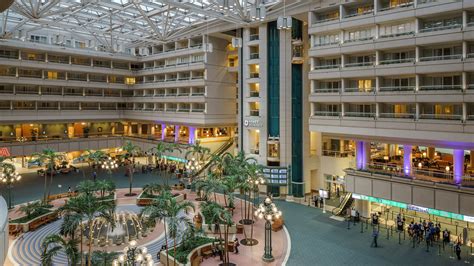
pixel 176 159
pixel 415 208
pixel 323 193
pixel 253 123
pixel 4 152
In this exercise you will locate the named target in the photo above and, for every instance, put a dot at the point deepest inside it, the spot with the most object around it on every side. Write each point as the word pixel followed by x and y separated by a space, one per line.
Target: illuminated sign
pixel 176 159
pixel 253 123
pixel 276 175
pixel 415 208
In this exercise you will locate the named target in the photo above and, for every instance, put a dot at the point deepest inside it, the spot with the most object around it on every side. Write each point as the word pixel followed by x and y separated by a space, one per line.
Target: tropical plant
pixel 52 244
pixel 105 186
pixel 103 258
pixel 70 224
pixel 87 187
pixel 48 157
pixel 131 151
pixel 210 185
pixel 32 209
pixel 91 208
pixel 161 149
pixel 151 189
pixel 197 151
pixel 165 208
pixel 93 158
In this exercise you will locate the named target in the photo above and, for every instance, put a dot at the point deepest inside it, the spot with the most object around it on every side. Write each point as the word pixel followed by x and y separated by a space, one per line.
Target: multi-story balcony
pixel 386 5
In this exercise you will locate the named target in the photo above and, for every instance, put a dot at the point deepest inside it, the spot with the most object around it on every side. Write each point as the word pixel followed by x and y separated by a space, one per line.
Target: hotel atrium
pixel 236 132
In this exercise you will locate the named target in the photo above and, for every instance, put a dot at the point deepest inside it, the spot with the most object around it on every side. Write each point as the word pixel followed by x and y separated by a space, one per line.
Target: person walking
pixel 375 235
pixel 94 175
pixel 236 246
pixel 457 249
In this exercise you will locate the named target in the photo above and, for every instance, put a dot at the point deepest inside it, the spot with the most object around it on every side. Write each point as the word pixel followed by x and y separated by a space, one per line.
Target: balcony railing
pixel 327 113
pixel 356 14
pixel 327 90
pixel 253 37
pixel 326 67
pixel 442 57
pixel 397 61
pixel 184 110
pixel 402 5
pixel 440 87
pixel 197 110
pixel 254 56
pixel 364 90
pixel 325 20
pixel 359 114
pixel 327 43
pixel 397 88
pixel 359 39
pixel 254 75
pixel 393 35
pixel 359 64
pixel 397 115
pixel 447 27
pixel 254 112
pixel 9 56
pixel 441 116
pixel 338 154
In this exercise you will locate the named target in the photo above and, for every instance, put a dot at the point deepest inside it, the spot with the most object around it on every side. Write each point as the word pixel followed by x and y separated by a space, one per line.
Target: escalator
pixel 218 152
pixel 345 204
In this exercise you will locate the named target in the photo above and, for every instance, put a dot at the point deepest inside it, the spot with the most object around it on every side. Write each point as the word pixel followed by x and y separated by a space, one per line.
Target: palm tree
pixel 165 208
pixel 91 208
pixel 197 151
pixel 70 224
pixel 104 186
pixel 48 157
pixel 94 157
pixel 87 187
pixel 103 258
pixel 30 209
pixel 152 188
pixel 211 185
pixel 162 148
pixel 52 244
pixel 131 151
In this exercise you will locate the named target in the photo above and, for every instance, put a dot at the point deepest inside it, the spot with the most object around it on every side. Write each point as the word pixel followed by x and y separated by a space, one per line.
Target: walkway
pixel 317 239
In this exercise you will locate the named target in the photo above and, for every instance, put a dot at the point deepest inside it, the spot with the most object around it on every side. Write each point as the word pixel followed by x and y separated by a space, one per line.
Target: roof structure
pixel 133 22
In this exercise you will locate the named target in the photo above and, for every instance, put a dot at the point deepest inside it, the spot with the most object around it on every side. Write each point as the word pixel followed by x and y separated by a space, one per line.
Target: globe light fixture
pixel 8 176
pixel 133 255
pixel 268 211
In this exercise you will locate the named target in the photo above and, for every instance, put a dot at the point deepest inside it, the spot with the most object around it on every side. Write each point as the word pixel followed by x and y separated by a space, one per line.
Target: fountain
pixel 126 227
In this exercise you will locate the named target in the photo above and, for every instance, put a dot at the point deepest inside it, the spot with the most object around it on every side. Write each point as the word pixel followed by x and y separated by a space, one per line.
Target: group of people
pixel 218 250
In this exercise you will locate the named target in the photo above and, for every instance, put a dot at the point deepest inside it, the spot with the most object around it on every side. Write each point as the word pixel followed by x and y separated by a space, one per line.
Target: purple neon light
pixel 359 154
pixel 163 133
pixel 458 162
pixel 407 150
pixel 176 133
pixel 192 135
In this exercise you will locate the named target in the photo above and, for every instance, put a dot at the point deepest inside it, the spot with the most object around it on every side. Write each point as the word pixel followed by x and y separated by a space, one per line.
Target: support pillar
pixel 192 135
pixel 363 207
pixel 163 131
pixel 407 159
pixel 458 165
pixel 176 133
pixel 362 154
pixel 430 153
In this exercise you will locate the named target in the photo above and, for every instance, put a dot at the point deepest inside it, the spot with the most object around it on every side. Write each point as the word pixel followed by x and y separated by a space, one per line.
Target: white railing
pixel 440 87
pixel 359 114
pixel 446 27
pixel 442 57
pixel 364 90
pixel 441 116
pixel 356 14
pixel 393 35
pixel 401 5
pixel 397 88
pixel 327 113
pixel 328 90
pixel 397 115
pixel 358 64
pixel 359 39
pixel 397 61
pixel 326 67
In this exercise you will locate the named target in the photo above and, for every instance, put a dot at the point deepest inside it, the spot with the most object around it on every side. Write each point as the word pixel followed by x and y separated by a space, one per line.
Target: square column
pixel 458 168
pixel 163 131
pixel 407 159
pixel 192 135
pixel 362 154
pixel 176 133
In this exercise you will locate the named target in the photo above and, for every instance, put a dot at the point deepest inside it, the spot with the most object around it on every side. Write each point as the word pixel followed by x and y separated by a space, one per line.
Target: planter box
pixel 35 223
pixel 194 257
pixel 147 201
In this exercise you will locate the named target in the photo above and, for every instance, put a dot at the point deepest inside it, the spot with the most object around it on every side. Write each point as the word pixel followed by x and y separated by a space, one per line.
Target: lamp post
pixel 134 256
pixel 268 211
pixel 109 165
pixel 8 176
pixel 193 166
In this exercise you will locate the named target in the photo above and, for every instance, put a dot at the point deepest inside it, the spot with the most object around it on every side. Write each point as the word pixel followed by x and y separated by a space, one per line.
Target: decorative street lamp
pixel 268 211
pixel 109 165
pixel 134 256
pixel 193 166
pixel 8 176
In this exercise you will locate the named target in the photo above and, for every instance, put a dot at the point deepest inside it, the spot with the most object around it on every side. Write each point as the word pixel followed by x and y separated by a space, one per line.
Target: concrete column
pixel 362 154
pixel 464 81
pixel 377 58
pixel 417 54
pixel 341 146
pixel 407 159
pixel 464 50
pixel 363 207
pixel 343 60
pixel 464 112
pixel 176 133
pixel 192 135
pixel 139 129
pixel 458 168
pixel 430 153
pixel 377 110
pixel 464 19
pixel 417 111
pixel 163 131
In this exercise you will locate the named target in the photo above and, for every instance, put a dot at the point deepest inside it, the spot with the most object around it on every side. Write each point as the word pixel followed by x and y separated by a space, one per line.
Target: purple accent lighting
pixel 163 131
pixel 458 161
pixel 192 135
pixel 407 159
pixel 176 133
pixel 359 154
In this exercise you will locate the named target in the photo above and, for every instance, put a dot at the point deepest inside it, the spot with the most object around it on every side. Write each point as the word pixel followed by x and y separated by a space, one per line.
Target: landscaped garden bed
pixel 186 254
pixel 145 199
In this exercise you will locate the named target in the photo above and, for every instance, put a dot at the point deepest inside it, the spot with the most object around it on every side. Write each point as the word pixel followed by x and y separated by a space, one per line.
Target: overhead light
pixel 258 13
pixel 226 4
pixel 284 23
